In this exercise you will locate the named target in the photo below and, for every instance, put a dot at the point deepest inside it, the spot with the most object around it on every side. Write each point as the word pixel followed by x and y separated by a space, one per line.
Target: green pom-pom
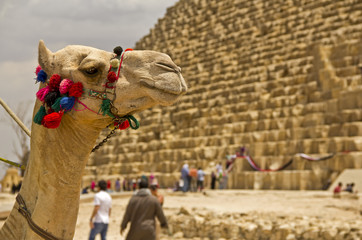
pixel 56 105
pixel 106 108
pixel 40 115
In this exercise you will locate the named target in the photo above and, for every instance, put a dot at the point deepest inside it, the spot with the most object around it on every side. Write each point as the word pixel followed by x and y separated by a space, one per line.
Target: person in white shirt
pixel 102 211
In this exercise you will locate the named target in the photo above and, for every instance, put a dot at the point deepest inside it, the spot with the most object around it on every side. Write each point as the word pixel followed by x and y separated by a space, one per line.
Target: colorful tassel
pixel 37 70
pixel 51 97
pixel 76 90
pixel 42 76
pixel 114 63
pixel 39 115
pixel 106 108
pixel 56 105
pixel 67 103
pixel 42 93
pixel 65 85
pixel 112 77
pixel 118 50
pixel 124 125
pixel 52 120
pixel 54 82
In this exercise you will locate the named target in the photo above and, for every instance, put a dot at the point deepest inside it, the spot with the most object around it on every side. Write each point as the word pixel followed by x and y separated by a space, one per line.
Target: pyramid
pixel 277 77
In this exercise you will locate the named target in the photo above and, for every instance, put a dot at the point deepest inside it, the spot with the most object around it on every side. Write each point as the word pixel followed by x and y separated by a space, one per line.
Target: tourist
pixel 102 211
pixel 109 186
pixel 220 178
pixel 213 180
pixel 160 198
pixel 337 190
pixel 225 177
pixel 134 184
pixel 349 188
pixel 125 184
pixel 117 185
pixel 93 186
pixel 193 179
pixel 185 177
pixel 200 179
pixel 85 190
pixel 141 212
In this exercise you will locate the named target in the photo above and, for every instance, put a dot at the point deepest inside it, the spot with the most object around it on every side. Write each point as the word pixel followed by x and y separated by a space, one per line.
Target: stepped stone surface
pixel 279 77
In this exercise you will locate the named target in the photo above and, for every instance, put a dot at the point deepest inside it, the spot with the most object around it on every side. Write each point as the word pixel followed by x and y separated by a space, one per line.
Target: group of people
pixel 144 206
pixel 192 179
pixel 339 188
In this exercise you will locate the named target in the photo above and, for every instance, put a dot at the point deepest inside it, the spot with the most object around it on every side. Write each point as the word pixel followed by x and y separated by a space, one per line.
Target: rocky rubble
pixel 207 225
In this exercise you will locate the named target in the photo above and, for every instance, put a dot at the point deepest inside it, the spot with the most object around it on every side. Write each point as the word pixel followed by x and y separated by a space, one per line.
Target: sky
pixel 102 24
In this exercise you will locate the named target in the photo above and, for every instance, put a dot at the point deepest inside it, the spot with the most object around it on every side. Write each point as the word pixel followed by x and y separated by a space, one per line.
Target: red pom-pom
pixel 112 77
pixel 124 125
pixel 54 82
pixel 76 90
pixel 37 70
pixel 52 120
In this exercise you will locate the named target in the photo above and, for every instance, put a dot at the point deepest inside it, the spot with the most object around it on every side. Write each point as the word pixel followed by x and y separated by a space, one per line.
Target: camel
pixel 52 182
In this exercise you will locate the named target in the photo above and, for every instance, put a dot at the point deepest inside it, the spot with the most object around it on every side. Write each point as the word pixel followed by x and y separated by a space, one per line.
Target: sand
pixel 291 203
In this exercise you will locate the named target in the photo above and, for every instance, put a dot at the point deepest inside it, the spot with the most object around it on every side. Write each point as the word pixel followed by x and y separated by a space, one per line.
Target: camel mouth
pixel 167 89
pixel 163 94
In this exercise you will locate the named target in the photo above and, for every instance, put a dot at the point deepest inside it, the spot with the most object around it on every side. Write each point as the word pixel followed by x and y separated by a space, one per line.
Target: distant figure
pixel 141 212
pixel 160 198
pixel 220 179
pixel 93 186
pixel 154 192
pixel 193 179
pixel 1 188
pixel 109 186
pixel 225 177
pixel 134 184
pixel 337 190
pixel 200 179
pixel 102 211
pixel 125 184
pixel 117 185
pixel 349 188
pixel 213 180
pixel 185 177
pixel 152 177
pixel 85 190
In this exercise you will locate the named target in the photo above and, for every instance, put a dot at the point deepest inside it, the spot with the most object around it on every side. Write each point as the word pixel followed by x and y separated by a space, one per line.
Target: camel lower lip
pixel 175 94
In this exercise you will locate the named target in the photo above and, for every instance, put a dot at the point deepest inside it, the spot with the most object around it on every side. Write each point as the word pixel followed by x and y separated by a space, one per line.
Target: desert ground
pixel 310 206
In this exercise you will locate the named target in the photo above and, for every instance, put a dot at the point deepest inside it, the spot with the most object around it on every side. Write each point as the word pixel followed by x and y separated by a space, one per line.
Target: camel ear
pixel 45 57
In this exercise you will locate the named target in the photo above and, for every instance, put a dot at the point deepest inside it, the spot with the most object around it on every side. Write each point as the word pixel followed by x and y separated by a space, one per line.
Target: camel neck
pixel 52 182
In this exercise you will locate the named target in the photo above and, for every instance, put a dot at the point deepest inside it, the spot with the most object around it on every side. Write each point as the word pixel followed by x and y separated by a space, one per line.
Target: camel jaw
pixel 164 92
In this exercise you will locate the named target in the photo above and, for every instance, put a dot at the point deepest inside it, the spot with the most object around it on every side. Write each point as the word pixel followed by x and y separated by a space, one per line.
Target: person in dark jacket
pixel 141 212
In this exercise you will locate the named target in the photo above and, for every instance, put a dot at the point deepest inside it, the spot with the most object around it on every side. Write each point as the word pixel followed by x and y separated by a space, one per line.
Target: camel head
pixel 140 80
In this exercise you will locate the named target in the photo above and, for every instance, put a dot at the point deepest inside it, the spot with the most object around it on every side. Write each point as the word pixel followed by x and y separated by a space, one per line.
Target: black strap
pixel 25 212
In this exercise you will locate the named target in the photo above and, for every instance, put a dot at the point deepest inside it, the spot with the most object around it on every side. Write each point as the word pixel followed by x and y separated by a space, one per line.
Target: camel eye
pixel 91 71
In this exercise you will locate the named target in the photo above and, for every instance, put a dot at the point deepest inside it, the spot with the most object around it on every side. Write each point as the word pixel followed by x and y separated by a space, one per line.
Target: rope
pixel 13 163
pixel 25 212
pixel 16 119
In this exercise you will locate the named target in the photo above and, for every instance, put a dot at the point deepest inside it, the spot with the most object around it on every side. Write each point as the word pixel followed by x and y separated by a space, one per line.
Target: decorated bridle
pixel 60 95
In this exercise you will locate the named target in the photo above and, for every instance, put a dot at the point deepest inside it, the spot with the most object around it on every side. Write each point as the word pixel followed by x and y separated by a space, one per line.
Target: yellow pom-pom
pixel 114 63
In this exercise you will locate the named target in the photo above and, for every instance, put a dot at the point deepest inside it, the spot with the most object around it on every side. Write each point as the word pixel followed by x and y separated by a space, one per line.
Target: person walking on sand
pixel 141 212
pixel 102 211
pixel 185 177
pixel 161 199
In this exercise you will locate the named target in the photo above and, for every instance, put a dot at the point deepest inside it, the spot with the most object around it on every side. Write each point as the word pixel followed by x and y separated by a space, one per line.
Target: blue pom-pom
pixel 67 103
pixel 42 76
